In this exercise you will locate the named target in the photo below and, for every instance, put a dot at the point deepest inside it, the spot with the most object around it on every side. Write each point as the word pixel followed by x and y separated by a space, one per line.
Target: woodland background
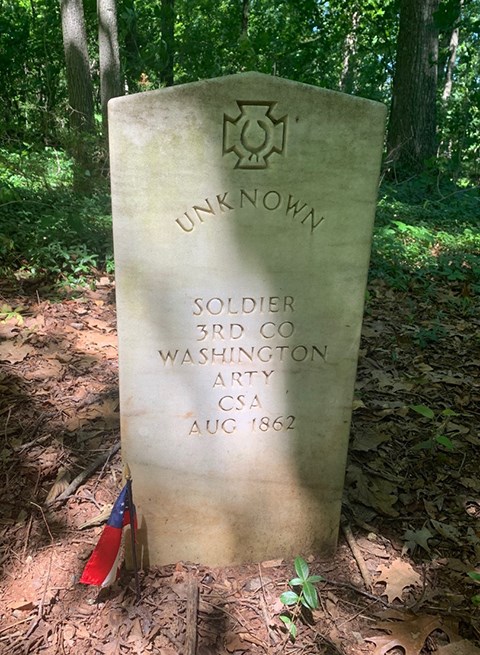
pixel 412 493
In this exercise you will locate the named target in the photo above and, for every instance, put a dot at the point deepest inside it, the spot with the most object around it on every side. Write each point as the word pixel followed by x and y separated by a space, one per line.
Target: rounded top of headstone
pixel 244 82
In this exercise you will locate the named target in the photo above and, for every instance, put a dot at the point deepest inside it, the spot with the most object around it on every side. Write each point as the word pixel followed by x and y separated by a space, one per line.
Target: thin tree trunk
pixel 245 17
pixel 348 68
pixel 79 83
pixel 109 56
pixel 452 58
pixel 168 37
pixel 412 127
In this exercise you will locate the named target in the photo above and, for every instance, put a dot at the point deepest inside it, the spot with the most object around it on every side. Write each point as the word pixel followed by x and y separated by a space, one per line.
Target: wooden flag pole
pixel 132 529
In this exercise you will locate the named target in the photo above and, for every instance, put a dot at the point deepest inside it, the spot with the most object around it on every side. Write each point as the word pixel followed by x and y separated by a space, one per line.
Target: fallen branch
pixel 192 611
pixel 347 531
pixel 85 474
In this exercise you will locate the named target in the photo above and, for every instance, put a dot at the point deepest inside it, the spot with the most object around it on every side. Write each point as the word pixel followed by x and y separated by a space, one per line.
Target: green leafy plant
pixel 302 594
pixel 8 313
pixel 426 336
pixel 475 576
pixel 438 439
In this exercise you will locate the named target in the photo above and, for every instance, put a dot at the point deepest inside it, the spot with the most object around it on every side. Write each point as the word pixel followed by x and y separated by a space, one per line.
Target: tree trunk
pixel 412 126
pixel 452 57
pixel 245 17
pixel 109 56
pixel 80 93
pixel 168 37
pixel 350 51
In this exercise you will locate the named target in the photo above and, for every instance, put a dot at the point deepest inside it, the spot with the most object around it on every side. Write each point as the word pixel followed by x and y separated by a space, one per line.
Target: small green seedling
pixel 437 439
pixel 475 576
pixel 307 595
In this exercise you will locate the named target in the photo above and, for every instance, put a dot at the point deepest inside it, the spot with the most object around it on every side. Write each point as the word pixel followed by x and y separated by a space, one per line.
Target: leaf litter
pixel 412 500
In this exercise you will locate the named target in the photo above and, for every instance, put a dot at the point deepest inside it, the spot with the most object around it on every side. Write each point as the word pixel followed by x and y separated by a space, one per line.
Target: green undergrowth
pixel 427 238
pixel 424 236
pixel 47 232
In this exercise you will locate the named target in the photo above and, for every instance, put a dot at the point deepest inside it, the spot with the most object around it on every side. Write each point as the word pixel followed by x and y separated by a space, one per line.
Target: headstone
pixel 243 210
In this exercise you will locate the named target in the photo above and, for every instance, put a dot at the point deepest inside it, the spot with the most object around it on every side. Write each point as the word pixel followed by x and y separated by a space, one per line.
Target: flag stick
pixel 132 531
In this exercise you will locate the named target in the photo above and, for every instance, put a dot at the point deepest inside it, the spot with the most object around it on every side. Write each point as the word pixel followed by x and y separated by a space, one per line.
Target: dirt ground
pixel 399 581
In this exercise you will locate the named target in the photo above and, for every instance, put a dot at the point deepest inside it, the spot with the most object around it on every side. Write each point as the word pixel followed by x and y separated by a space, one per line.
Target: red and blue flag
pixel 103 565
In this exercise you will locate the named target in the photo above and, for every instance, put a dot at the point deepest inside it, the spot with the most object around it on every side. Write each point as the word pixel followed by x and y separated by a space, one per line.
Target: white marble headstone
pixel 243 210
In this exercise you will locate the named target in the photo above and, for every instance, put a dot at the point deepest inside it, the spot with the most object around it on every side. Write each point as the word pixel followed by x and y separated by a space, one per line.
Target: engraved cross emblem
pixel 254 135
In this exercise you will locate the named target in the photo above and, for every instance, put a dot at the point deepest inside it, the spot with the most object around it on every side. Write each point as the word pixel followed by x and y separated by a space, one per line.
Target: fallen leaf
pixel 23 605
pixel 12 352
pixel 98 519
pixel 368 442
pixel 48 370
pixel 463 647
pixel 397 577
pixel 372 491
pixel 415 538
pixel 447 531
pixel 357 404
pixel 233 642
pixel 61 483
pixel 272 563
pixel 409 634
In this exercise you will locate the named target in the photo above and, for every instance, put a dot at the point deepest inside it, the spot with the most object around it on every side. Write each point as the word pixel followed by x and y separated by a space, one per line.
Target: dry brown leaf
pixel 98 519
pixel 410 634
pixel 233 642
pixel 8 331
pixel 12 352
pixel 46 371
pixel 248 637
pixel 397 577
pixel 61 483
pixel 23 605
pixel 463 647
pixel 272 563
pixel 112 648
pixel 372 491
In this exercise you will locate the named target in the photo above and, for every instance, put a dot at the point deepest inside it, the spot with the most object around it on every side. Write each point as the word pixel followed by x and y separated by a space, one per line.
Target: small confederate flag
pixel 102 567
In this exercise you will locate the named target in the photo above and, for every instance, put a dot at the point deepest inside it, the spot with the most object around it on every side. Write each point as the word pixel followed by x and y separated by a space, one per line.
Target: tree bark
pixel 79 83
pixel 245 17
pixel 452 57
pixel 350 51
pixel 412 126
pixel 168 37
pixel 109 56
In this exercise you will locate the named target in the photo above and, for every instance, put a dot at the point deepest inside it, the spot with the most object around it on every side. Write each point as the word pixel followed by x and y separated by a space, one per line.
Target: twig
pixel 85 474
pixel 347 585
pixel 263 604
pixel 192 611
pixel 44 520
pixel 7 421
pixel 347 531
pixel 238 620
pixel 27 536
pixel 326 640
pixel 13 625
pixel 33 626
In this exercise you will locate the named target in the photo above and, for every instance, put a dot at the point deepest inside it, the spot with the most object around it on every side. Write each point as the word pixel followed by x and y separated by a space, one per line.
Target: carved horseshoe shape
pixel 244 137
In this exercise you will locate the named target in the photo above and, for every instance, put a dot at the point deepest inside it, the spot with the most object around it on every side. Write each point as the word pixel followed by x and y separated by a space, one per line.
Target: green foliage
pixel 422 238
pixel 440 423
pixel 306 595
pixel 47 230
pixel 475 575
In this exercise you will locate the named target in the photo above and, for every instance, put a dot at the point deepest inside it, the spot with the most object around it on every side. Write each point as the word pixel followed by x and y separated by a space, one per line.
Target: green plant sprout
pixel 438 439
pixel 475 576
pixel 7 313
pixel 307 595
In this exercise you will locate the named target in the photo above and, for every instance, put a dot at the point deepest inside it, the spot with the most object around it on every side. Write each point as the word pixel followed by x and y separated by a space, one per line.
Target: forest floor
pixel 398 584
